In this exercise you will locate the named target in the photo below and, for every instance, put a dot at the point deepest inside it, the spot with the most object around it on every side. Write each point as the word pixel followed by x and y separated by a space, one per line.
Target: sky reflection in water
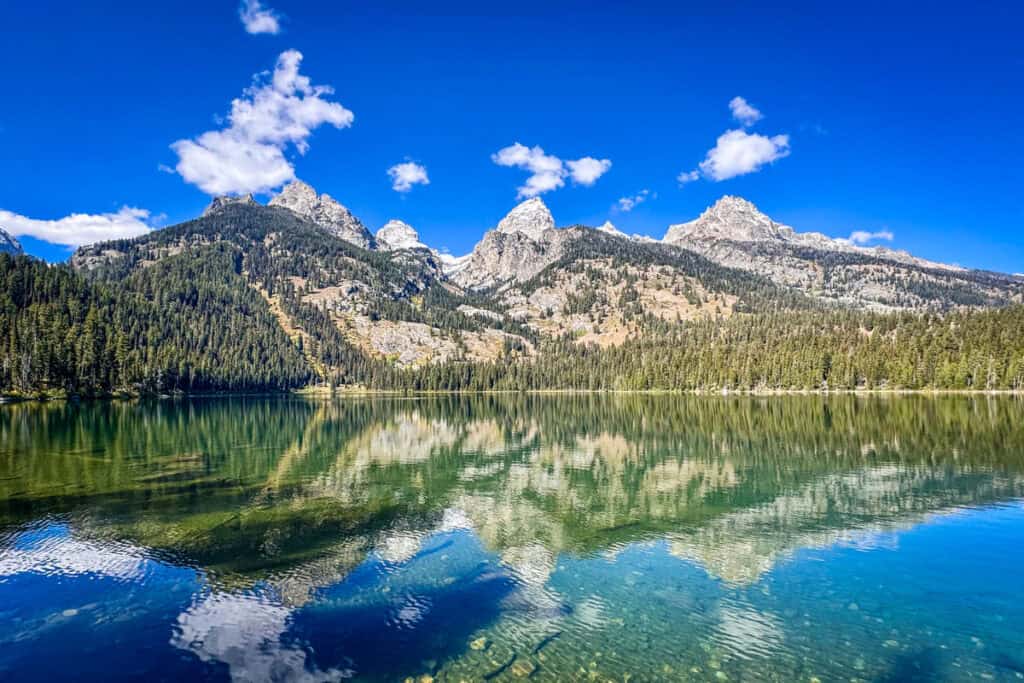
pixel 503 537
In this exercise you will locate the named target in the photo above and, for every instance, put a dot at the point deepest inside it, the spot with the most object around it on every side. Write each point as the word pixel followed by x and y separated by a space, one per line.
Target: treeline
pixel 194 323
pixel 782 350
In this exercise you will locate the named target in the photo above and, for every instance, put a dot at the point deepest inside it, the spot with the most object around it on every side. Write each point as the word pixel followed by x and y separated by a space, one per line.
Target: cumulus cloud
pixel 279 110
pixel 738 152
pixel 407 174
pixel 744 112
pixel 548 172
pixel 861 237
pixel 80 228
pixel 258 18
pixel 626 204
pixel 587 170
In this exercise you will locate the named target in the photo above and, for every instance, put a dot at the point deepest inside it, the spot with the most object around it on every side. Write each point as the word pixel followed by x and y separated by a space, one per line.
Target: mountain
pixel 396 235
pixel 218 204
pixel 9 245
pixel 338 302
pixel 523 243
pixel 268 297
pixel 609 227
pixel 734 233
pixel 323 210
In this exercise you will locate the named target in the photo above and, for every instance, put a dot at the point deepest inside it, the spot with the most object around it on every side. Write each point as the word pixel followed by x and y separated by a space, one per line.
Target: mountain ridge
pixel 8 243
pixel 253 297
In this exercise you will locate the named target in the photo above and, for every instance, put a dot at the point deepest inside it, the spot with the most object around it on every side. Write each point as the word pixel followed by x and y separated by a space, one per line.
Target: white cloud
pixel 80 228
pixel 548 172
pixel 407 174
pixel 738 152
pixel 257 18
pixel 275 112
pixel 744 112
pixel 587 170
pixel 629 203
pixel 862 237
pixel 688 176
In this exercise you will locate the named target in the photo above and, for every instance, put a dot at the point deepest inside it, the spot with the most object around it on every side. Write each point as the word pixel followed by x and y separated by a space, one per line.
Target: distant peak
pixel 220 203
pixel 609 228
pixel 732 204
pixel 8 244
pixel 531 218
pixel 396 234
pixel 730 218
pixel 324 210
pixel 296 188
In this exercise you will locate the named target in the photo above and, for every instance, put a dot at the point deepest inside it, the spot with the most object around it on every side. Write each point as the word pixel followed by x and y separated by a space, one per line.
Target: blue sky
pixel 879 117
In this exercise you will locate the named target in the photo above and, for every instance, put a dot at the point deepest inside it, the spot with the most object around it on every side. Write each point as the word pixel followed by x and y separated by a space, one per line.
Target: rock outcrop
pixel 609 228
pixel 524 243
pixel 325 211
pixel 220 203
pixel 397 235
pixel 9 245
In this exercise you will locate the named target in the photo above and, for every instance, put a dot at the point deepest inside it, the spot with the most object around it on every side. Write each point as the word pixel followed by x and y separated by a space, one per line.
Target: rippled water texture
pixel 500 538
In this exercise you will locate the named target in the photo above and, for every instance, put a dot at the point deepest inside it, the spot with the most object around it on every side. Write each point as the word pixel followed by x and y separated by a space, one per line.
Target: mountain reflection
pixel 296 494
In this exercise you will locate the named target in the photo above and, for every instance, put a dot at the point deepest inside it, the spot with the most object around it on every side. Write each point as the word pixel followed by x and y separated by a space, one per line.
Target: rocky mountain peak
pixel 325 211
pixel 530 218
pixel 609 228
pixel 296 195
pixel 730 218
pixel 9 245
pixel 397 235
pixel 219 203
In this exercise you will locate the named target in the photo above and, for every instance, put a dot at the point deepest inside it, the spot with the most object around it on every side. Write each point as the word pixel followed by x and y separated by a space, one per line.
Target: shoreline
pixel 318 392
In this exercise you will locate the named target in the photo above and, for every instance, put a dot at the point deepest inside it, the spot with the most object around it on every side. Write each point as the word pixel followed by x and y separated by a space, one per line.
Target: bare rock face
pixel 609 229
pixel 531 218
pixel 523 244
pixel 396 235
pixel 220 203
pixel 9 245
pixel 325 211
pixel 734 233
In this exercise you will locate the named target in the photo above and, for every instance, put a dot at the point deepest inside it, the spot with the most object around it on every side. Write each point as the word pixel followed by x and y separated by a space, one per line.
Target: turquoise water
pixel 504 538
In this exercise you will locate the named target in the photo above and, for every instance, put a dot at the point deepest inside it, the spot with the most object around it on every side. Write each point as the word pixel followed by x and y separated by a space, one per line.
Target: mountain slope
pixel 254 297
pixel 9 245
pixel 734 233
pixel 524 242
pixel 323 210
pixel 343 304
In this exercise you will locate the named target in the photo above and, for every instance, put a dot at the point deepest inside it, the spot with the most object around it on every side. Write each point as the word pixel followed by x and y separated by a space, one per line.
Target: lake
pixel 594 538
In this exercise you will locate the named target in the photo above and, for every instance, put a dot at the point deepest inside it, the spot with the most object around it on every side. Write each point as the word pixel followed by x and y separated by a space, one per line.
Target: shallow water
pixel 498 538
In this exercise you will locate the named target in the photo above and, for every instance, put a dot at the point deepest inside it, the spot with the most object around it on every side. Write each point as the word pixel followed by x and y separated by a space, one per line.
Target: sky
pixel 875 121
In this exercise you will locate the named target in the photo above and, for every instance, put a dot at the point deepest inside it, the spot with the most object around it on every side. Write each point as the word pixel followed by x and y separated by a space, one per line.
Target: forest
pixel 196 325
